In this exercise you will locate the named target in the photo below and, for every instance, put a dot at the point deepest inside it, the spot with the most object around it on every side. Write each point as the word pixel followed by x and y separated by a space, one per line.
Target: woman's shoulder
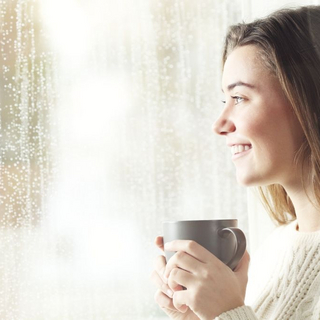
pixel 284 246
pixel 287 236
pixel 281 234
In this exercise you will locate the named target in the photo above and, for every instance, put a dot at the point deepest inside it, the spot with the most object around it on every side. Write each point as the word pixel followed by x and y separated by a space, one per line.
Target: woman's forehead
pixel 244 64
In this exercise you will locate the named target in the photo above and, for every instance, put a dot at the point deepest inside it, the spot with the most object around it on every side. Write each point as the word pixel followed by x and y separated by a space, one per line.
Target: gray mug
pixel 221 237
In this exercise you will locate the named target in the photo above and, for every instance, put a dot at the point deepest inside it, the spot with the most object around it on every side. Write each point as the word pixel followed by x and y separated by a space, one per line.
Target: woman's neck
pixel 306 208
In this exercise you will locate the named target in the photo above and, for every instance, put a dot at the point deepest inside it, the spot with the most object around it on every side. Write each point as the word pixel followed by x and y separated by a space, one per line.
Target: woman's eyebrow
pixel 238 84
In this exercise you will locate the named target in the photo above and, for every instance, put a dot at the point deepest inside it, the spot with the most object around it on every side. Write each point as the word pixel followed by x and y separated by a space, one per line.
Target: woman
pixel 271 81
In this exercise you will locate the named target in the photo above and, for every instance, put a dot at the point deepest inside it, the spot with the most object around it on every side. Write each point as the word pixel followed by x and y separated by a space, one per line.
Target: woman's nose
pixel 223 125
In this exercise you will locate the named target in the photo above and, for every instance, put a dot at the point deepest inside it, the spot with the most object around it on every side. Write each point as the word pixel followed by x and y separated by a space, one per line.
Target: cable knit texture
pixel 284 278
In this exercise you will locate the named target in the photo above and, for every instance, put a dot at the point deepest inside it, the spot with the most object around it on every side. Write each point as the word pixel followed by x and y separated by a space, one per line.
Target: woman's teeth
pixel 239 148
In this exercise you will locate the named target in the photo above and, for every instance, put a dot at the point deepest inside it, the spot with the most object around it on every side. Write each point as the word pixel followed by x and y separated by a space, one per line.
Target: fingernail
pixel 165 278
pixel 183 308
pixel 170 293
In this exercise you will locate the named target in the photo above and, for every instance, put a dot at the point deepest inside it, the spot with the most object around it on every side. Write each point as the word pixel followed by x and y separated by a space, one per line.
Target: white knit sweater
pixel 284 278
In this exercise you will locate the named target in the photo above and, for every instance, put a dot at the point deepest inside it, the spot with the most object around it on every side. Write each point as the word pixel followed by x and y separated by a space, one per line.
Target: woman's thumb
pixel 241 270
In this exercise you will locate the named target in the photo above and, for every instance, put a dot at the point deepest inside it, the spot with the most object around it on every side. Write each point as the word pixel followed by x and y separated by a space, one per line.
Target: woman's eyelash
pixel 237 99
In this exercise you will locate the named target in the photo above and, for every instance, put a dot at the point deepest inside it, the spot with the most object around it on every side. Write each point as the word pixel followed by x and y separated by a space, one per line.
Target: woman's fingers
pixel 180 278
pixel 180 300
pixel 159 242
pixel 181 260
pixel 164 301
pixel 191 247
pixel 160 267
pixel 163 287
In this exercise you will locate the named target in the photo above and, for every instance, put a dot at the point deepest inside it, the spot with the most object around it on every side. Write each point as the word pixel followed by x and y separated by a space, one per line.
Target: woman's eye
pixel 237 99
pixel 223 101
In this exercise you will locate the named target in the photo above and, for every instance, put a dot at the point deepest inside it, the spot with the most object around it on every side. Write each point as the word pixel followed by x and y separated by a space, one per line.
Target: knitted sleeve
pixel 240 313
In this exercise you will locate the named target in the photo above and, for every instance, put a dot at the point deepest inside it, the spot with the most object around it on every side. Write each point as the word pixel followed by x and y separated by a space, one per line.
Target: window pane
pixel 106 114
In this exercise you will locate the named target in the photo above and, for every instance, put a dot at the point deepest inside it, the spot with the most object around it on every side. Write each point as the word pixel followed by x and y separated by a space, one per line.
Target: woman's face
pixel 258 122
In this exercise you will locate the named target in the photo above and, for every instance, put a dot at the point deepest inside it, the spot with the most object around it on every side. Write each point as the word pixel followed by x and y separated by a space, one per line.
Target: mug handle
pixel 240 245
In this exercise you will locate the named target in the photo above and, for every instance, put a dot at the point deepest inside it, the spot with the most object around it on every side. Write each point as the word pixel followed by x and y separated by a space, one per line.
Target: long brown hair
pixel 289 45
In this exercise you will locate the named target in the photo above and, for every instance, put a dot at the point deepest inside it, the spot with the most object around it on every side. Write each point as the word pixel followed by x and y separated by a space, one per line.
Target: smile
pixel 240 148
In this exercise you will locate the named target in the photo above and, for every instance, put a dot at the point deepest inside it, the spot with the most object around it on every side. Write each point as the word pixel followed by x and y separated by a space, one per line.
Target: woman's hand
pixel 164 294
pixel 211 287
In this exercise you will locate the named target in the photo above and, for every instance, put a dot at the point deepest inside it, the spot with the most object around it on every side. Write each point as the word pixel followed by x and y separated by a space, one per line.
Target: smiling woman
pixel 272 124
pixel 106 111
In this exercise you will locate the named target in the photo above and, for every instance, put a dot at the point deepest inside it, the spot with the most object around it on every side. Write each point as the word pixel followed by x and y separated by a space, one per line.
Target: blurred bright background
pixel 106 112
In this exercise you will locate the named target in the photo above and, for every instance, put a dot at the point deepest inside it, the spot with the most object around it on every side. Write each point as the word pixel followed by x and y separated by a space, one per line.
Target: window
pixel 106 114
